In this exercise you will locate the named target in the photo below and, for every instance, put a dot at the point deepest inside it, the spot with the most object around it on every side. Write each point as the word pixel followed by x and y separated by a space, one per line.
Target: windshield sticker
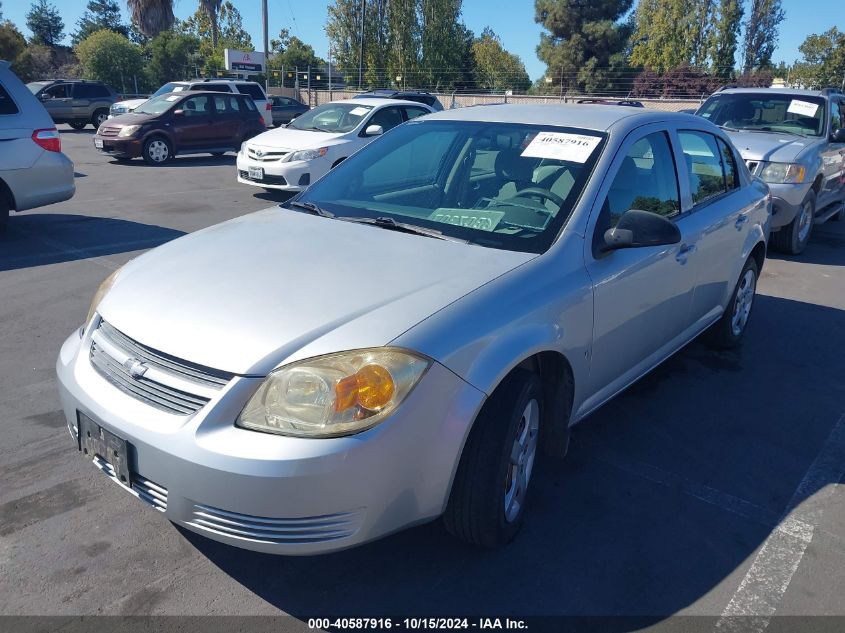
pixel 173 98
pixel 558 145
pixel 470 218
pixel 359 111
pixel 804 108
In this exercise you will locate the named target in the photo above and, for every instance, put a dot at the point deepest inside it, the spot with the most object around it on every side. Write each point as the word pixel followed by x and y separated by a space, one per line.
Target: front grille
pixel 147 491
pixel 267 180
pixel 315 529
pixel 166 383
pixel 265 156
pixel 108 131
pixel 752 165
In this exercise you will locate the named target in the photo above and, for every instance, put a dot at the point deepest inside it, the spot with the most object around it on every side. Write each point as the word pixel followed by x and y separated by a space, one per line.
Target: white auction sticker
pixel 561 146
pixel 172 98
pixel 359 111
pixel 804 108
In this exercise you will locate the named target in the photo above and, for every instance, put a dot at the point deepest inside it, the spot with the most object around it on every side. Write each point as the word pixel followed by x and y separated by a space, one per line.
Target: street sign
pixel 244 61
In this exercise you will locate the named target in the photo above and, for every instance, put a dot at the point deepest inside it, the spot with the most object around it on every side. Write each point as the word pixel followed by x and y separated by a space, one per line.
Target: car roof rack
pixel 726 87
pixel 620 102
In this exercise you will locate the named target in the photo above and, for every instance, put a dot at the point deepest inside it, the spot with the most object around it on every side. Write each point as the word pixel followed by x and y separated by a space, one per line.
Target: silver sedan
pixel 401 340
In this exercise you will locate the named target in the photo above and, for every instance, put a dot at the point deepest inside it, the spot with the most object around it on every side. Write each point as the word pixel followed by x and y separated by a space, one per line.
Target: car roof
pixel 194 93
pixel 378 101
pixel 584 116
pixel 777 91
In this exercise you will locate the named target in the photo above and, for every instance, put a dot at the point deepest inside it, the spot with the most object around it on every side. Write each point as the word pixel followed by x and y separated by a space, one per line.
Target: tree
pixel 212 10
pixel 495 68
pixel 442 42
pixel 12 42
pixel 110 58
pixel 761 34
pixel 823 62
pixel 724 34
pixel 584 44
pixel 151 17
pixel 295 54
pixel 672 33
pixel 99 14
pixel 46 24
pixel 231 34
pixel 171 56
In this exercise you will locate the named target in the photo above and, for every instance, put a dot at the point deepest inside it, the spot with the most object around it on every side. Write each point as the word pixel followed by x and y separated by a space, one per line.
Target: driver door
pixel 58 101
pixel 641 296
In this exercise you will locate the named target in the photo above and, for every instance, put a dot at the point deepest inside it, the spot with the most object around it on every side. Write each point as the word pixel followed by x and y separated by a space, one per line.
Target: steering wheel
pixel 543 194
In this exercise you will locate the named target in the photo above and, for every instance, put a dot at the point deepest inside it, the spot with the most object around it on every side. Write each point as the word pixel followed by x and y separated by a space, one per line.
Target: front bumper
pixel 786 202
pixel 123 147
pixel 280 175
pixel 278 494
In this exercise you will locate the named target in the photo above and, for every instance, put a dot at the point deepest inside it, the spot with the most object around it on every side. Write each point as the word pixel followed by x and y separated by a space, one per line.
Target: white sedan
pixel 292 157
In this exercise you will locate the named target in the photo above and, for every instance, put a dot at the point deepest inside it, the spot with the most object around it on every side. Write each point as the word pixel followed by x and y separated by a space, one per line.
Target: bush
pixel 111 58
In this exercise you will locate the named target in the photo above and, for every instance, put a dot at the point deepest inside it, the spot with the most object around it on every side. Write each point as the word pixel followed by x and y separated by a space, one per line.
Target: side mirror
pixel 637 229
pixel 374 130
pixel 45 97
pixel 838 136
pixel 178 113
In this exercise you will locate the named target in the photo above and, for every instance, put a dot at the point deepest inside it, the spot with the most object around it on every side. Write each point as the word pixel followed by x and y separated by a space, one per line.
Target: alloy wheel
pixel 742 303
pixel 521 461
pixel 805 222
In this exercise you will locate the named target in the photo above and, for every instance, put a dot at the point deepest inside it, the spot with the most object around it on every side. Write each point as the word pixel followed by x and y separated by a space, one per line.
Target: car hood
pixel 289 138
pixel 131 104
pixel 131 118
pixel 767 146
pixel 279 285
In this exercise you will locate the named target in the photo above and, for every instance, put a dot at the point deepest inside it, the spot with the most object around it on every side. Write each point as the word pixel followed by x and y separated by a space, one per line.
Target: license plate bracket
pixel 256 173
pixel 98 143
pixel 95 440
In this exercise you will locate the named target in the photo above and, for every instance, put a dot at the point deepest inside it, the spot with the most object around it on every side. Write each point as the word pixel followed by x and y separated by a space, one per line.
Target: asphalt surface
pixel 708 486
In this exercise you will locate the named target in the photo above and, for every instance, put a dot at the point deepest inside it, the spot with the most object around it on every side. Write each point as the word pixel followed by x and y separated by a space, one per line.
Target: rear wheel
pixel 99 117
pixel 792 239
pixel 78 125
pixel 727 332
pixel 487 501
pixel 157 151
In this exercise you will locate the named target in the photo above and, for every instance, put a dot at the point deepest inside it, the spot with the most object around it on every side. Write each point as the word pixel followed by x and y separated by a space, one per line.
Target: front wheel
pixel 78 125
pixel 792 239
pixel 157 151
pixel 5 208
pixel 99 117
pixel 487 502
pixel 727 332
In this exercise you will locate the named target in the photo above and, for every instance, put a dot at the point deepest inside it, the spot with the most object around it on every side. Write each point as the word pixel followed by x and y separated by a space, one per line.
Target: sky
pixel 512 21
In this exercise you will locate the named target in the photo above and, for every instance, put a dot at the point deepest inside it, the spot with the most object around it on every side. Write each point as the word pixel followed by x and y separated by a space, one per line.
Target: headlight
pixel 783 173
pixel 128 130
pixel 102 291
pixel 307 154
pixel 338 394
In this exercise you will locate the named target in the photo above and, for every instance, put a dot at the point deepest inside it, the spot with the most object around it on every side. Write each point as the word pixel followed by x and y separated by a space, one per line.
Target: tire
pixel 487 502
pixel 78 125
pixel 5 208
pixel 727 332
pixel 157 151
pixel 99 117
pixel 792 239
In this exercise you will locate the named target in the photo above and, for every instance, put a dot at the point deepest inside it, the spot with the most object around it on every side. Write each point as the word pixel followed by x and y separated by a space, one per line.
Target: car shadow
pixel 274 196
pixel 826 246
pixel 666 491
pixel 182 161
pixel 38 239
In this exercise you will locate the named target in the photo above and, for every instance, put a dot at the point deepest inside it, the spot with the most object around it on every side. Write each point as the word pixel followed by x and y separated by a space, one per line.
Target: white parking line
pixel 763 587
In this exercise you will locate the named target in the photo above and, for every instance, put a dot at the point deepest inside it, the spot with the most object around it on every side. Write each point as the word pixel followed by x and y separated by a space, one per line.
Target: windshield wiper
pixel 403 227
pixel 730 129
pixel 312 208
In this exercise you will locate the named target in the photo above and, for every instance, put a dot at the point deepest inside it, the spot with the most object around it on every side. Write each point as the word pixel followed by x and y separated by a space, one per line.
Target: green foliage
pixel 172 56
pixel 12 42
pixel 584 43
pixel 761 34
pixel 671 33
pixel 823 62
pixel 151 17
pixel 231 34
pixel 495 68
pixel 111 58
pixel 100 14
pixel 46 24
pixel 724 35
pixel 36 62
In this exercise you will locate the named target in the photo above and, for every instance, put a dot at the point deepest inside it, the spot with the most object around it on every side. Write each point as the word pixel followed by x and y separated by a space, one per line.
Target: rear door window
pixel 197 106
pixel 729 165
pixel 90 91
pixel 212 87
pixel 253 90
pixel 7 105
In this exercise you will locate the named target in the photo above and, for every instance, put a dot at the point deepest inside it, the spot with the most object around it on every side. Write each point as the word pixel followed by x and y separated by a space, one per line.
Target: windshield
pixel 168 87
pixel 157 105
pixel 332 117
pixel 783 113
pixel 507 186
pixel 35 86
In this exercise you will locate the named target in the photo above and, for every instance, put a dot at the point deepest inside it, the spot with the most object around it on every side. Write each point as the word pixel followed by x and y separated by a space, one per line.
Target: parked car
pixel 186 122
pixel 78 102
pixel 420 96
pixel 795 141
pixel 33 170
pixel 286 109
pixel 293 157
pixel 237 86
pixel 396 342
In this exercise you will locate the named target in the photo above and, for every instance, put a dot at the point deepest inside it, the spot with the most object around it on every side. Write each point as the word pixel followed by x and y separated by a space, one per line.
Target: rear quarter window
pixel 7 104
pixel 212 87
pixel 253 90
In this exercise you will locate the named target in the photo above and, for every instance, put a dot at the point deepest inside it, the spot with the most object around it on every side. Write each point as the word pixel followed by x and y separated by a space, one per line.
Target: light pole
pixel 266 56
pixel 361 46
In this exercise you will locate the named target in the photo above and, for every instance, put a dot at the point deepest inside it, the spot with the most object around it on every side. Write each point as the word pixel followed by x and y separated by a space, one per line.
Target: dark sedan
pixel 181 123
pixel 286 109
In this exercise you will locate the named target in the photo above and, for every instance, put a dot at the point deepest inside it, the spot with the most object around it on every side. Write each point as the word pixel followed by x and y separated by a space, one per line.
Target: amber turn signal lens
pixel 371 387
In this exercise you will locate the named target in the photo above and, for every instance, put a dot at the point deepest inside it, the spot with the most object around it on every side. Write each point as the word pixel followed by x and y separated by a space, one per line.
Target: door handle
pixel 740 222
pixel 684 252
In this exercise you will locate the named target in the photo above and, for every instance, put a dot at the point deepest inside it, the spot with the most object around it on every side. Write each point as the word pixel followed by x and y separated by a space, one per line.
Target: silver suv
pixel 75 101
pixel 795 141
pixel 33 170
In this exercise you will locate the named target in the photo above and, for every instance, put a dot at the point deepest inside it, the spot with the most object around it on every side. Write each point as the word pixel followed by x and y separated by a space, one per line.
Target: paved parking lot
pixel 709 486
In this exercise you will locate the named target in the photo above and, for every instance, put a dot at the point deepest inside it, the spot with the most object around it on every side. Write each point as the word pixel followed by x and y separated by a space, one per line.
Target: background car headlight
pixel 102 291
pixel 338 394
pixel 128 130
pixel 307 154
pixel 783 173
